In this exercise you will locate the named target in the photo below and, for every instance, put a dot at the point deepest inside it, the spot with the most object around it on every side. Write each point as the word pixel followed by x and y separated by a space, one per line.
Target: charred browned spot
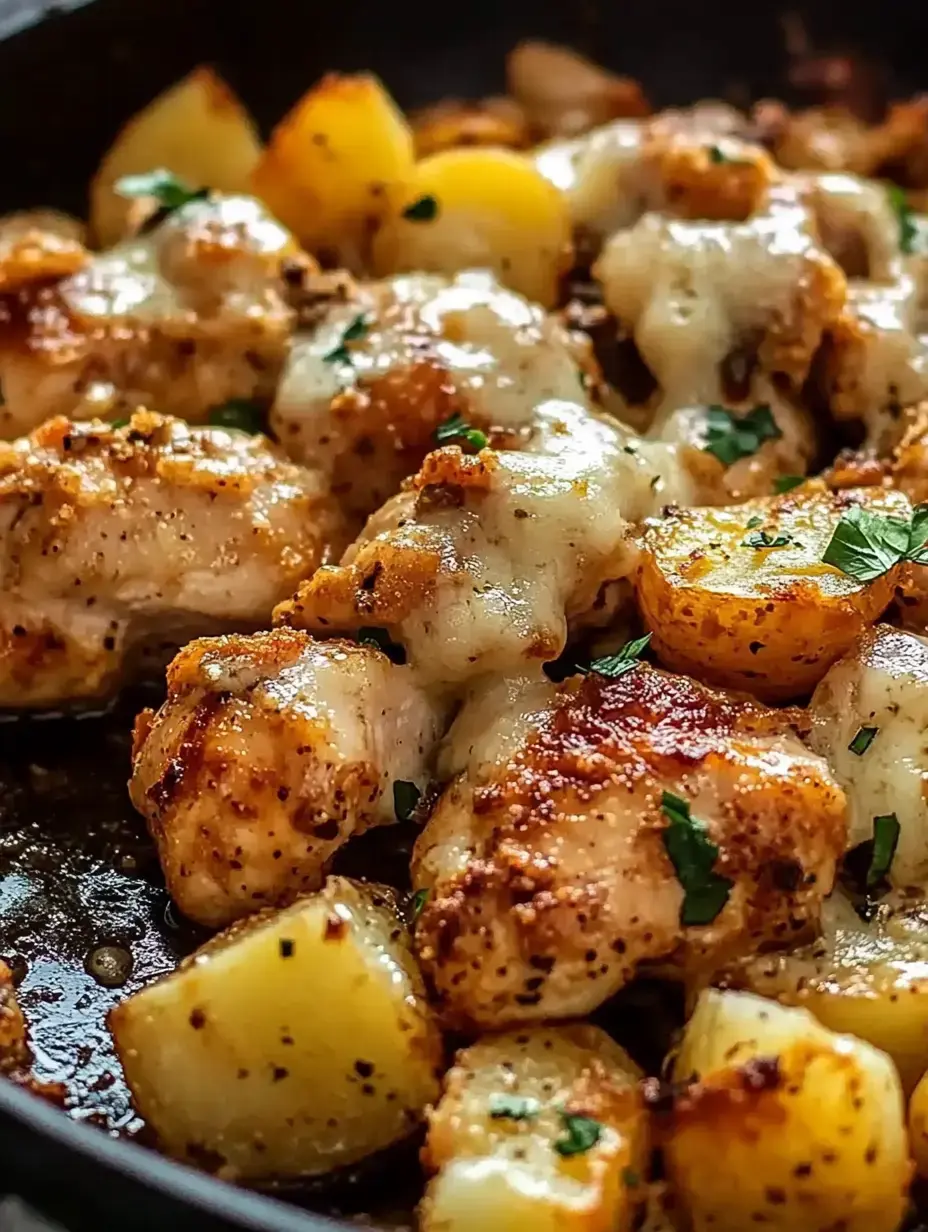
pixel 190 752
pixel 205 1157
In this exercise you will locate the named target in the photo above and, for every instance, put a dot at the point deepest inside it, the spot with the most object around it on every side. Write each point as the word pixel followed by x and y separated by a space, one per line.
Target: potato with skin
pixel 918 1126
pixel 783 1123
pixel 487 208
pixel 500 1138
pixel 290 1044
pixel 864 979
pixel 197 129
pixel 766 619
pixel 336 164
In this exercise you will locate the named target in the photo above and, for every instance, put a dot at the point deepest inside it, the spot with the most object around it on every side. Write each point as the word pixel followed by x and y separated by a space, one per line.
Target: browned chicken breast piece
pixel 270 752
pixel 116 541
pixel 182 318
pixel 605 824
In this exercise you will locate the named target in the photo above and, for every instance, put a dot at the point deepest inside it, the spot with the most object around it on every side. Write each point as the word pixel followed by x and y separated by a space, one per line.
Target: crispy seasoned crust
pixel 563 887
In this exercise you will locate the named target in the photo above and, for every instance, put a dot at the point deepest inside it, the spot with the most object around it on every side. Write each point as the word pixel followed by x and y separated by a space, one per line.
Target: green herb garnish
pixel 580 1134
pixel 419 899
pixel 241 414
pixel 423 210
pixel 455 429
pixel 340 354
pixel 513 1108
pixel 865 545
pixel 760 539
pixel 369 635
pixel 885 839
pixel 631 1178
pixel 908 227
pixel 862 740
pixel 693 855
pixel 754 522
pixel 786 483
pixel 730 436
pixel 119 423
pixel 406 796
pixel 170 192
pixel 615 665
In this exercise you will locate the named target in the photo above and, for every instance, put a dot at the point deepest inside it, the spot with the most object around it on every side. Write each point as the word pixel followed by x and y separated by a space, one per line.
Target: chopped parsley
pixel 615 665
pixel 908 227
pixel 406 796
pixel 760 539
pixel 581 1133
pixel 717 154
pixel 885 839
pixel 754 522
pixel 340 354
pixel 865 545
pixel 631 1178
pixel 240 414
pixel 368 635
pixel 862 740
pixel 786 483
pixel 456 430
pixel 730 436
pixel 419 899
pixel 513 1108
pixel 693 855
pixel 119 423
pixel 423 210
pixel 170 192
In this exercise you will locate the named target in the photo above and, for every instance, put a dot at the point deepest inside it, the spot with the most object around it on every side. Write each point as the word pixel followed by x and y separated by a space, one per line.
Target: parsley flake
pixel 760 539
pixel 170 192
pixel 716 154
pixel 865 545
pixel 885 839
pixel 786 483
pixel 754 522
pixel 239 414
pixel 513 1108
pixel 456 430
pixel 615 665
pixel 631 1178
pixel 693 855
pixel 340 354
pixel 862 740
pixel 417 905
pixel 423 210
pixel 730 436
pixel 908 227
pixel 581 1133
pixel 406 796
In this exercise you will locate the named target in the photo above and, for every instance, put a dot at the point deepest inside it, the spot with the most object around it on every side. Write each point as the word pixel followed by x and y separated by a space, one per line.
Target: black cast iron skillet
pixel 82 906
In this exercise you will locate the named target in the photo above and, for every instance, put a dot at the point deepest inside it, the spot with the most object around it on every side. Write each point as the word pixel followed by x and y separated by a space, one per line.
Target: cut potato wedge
pixel 487 208
pixel 336 164
pixel 785 1120
pixel 198 129
pixel 543 1129
pixel 769 620
pixel 918 1126
pixel 288 1045
pixel 868 980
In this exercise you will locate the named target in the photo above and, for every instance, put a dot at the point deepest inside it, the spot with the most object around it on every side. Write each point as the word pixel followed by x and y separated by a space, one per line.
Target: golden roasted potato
pixel 480 207
pixel 289 1044
pixel 543 1129
pixel 198 129
pixel 336 164
pixel 868 980
pixel 768 619
pixel 784 1124
pixel 918 1126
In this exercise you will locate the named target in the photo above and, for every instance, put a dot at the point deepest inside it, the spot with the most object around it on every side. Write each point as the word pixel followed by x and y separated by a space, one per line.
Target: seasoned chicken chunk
pixel 270 752
pixel 364 391
pixel 869 719
pixel 114 542
pixel 571 848
pixel 183 318
pixel 483 562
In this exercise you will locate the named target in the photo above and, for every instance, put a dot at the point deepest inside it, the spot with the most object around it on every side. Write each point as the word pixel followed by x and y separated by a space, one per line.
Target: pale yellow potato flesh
pixel 291 1044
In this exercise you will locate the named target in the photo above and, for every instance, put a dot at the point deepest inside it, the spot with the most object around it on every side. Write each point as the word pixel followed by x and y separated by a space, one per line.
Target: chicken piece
pixel 869 717
pixel 184 317
pixel 386 363
pixel 496 121
pixel 270 752
pixel 115 542
pixel 37 245
pixel 834 139
pixel 483 562
pixel 15 1056
pixel 549 863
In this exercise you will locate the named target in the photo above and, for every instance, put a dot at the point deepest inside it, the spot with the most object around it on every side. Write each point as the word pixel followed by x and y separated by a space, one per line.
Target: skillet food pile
pixel 548 479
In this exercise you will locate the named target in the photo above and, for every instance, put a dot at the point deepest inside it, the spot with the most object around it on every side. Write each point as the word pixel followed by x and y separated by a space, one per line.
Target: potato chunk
pixel 918 1126
pixel 544 1129
pixel 869 717
pixel 767 619
pixel 198 129
pixel 480 207
pixel 335 163
pixel 785 1123
pixel 288 1045
pixel 863 979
